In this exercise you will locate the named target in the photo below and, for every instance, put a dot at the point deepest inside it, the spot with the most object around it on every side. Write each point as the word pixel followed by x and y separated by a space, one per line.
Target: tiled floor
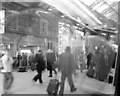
pixel 23 84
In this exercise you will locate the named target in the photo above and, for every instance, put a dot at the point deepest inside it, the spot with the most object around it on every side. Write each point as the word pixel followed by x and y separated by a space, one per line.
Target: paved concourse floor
pixel 23 84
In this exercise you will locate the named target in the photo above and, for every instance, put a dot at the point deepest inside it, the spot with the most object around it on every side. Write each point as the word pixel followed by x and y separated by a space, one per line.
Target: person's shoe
pixel 73 89
pixel 50 75
pixel 41 82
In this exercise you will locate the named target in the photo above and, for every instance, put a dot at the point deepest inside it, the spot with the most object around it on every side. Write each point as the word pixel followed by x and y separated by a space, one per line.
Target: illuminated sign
pixel 2 21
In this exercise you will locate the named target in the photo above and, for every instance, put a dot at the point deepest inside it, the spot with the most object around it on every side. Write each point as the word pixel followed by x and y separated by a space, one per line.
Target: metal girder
pixel 112 5
pixel 95 3
pixel 13 6
pixel 113 17
pixel 109 11
pixel 111 8
pixel 42 5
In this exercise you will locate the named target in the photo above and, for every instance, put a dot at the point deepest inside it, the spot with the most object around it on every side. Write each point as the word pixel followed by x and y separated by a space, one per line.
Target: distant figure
pixel 32 61
pixel 7 63
pixel 39 60
pixel 83 61
pixel 89 58
pixel 23 61
pixel 66 62
pixel 19 57
pixel 51 58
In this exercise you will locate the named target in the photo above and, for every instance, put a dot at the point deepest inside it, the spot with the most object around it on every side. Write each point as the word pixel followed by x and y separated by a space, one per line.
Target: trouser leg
pixel 36 77
pixel 54 71
pixel 8 80
pixel 5 84
pixel 63 77
pixel 40 77
pixel 70 81
pixel 11 78
pixel 50 72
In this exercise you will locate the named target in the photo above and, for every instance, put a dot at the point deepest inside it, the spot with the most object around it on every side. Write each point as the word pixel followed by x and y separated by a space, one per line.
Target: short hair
pixel 39 50
pixel 68 48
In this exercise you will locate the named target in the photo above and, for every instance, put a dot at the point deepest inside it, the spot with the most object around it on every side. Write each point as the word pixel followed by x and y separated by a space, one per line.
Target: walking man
pixel 39 59
pixel 7 62
pixel 66 62
pixel 50 62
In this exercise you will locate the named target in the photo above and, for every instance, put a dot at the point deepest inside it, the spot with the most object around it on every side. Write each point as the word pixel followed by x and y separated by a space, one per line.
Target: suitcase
pixel 91 73
pixel 53 86
pixel 22 69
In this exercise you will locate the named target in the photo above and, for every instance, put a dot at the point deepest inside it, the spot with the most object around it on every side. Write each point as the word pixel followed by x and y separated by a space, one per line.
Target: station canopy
pixel 109 8
pixel 78 10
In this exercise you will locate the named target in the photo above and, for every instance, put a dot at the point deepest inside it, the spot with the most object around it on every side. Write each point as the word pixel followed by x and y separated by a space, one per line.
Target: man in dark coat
pixel 39 59
pixel 50 61
pixel 89 58
pixel 66 62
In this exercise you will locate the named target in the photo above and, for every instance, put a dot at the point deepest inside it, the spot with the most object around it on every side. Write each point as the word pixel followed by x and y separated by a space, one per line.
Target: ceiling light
pixel 103 33
pixel 50 9
pixel 62 16
pixel 37 12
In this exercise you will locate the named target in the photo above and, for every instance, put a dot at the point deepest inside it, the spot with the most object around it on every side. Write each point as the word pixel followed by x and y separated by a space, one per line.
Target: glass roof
pixel 109 8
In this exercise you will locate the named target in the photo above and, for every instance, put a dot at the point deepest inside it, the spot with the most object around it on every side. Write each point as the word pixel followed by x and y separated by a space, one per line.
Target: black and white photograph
pixel 59 47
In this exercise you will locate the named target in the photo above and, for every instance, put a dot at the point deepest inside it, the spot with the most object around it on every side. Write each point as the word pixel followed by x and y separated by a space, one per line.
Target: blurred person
pixel 19 57
pixel 23 60
pixel 39 60
pixel 66 61
pixel 89 59
pixel 51 58
pixel 32 61
pixel 82 59
pixel 7 64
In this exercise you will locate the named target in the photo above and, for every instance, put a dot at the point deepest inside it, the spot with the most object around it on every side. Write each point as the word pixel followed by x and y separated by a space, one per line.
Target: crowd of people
pixel 38 62
pixel 65 62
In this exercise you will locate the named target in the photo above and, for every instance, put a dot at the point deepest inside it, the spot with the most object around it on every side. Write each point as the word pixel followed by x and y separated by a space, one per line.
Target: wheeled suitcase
pixel 22 69
pixel 91 73
pixel 53 87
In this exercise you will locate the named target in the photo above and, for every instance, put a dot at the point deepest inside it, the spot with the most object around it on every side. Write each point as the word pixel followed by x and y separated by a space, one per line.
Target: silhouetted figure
pixel 39 59
pixel 19 57
pixel 89 58
pixel 50 61
pixel 66 62
pixel 32 61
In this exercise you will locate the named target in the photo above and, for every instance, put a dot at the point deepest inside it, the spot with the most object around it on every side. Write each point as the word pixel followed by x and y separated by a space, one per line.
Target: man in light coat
pixel 7 62
pixel 67 65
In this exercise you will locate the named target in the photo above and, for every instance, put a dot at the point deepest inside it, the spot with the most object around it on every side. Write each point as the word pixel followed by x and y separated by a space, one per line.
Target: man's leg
pixel 5 83
pixel 40 77
pixel 63 77
pixel 50 72
pixel 54 70
pixel 11 78
pixel 70 81
pixel 36 77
